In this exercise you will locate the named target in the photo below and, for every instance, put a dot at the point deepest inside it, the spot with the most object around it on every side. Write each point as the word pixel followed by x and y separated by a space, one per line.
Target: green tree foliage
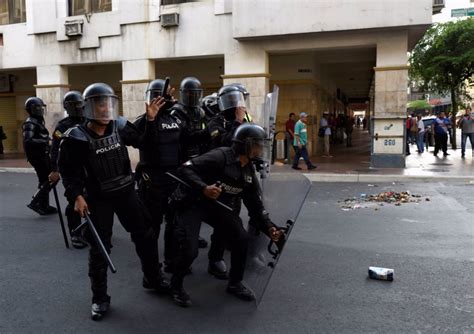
pixel 443 60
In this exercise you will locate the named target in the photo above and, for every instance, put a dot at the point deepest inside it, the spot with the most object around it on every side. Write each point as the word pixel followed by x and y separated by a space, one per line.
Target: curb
pixel 333 177
pixel 17 170
pixel 371 178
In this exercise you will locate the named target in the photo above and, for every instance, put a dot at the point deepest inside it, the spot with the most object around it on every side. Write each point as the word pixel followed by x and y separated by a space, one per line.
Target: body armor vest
pixel 109 161
pixel 40 131
pixel 164 154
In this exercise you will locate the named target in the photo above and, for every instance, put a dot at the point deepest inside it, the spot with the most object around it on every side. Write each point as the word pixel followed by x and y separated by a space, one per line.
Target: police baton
pixel 61 220
pixel 188 186
pixel 87 221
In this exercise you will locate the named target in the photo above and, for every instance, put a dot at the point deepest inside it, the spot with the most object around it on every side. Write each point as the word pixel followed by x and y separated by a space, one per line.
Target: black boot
pixel 50 210
pixel 180 296
pixel 240 291
pixel 44 204
pixel 202 243
pixel 78 242
pixel 159 284
pixel 218 269
pixel 36 208
pixel 100 308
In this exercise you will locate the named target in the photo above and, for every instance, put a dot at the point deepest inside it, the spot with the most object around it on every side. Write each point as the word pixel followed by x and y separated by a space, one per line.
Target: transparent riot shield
pixel 283 196
pixel 270 108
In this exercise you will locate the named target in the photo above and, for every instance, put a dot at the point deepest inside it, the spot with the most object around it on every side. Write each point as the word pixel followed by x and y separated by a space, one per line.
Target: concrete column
pixel 52 84
pixel 249 66
pixel 391 81
pixel 136 74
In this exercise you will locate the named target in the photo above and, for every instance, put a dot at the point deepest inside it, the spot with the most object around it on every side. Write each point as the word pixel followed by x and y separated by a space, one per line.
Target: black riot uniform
pixel 237 183
pixel 74 106
pixel 36 143
pixel 158 156
pixel 196 141
pixel 97 167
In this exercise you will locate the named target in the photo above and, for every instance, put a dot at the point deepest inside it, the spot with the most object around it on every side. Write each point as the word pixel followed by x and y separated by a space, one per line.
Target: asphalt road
pixel 320 284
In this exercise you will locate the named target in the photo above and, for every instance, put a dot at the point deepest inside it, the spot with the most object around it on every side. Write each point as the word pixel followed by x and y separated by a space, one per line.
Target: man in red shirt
pixel 289 135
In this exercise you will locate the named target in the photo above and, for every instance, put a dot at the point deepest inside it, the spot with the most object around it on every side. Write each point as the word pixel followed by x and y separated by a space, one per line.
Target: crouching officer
pixel 36 142
pixel 96 172
pixel 74 106
pixel 226 174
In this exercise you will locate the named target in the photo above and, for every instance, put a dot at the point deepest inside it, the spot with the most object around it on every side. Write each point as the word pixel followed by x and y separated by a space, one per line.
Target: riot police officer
pixel 232 106
pixel 210 106
pixel 197 141
pixel 228 175
pixel 96 173
pixel 36 142
pixel 158 156
pixel 196 136
pixel 73 104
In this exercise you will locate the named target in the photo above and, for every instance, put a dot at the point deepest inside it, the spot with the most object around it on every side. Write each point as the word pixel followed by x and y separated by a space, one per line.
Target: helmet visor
pixel 103 108
pixel 231 100
pixel 39 110
pixel 153 94
pixel 258 149
pixel 75 108
pixel 191 98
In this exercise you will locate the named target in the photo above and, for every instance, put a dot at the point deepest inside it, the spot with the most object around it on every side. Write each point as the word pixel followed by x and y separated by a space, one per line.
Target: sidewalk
pixel 350 164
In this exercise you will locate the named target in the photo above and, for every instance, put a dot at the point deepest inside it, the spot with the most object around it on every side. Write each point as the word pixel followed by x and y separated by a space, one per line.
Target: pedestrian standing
pixel 324 123
pixel 3 136
pixel 300 141
pixel 407 136
pixel 420 134
pixel 349 127
pixel 440 130
pixel 466 124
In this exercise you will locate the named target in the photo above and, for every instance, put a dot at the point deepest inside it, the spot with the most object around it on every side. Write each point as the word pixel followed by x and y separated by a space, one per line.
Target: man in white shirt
pixel 324 123
pixel 420 134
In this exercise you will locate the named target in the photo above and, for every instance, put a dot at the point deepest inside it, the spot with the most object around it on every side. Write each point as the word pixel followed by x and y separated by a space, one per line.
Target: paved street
pixel 320 285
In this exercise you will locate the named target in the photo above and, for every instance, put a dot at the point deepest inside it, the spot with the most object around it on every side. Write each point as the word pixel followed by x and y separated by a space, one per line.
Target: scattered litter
pixel 376 200
pixel 383 274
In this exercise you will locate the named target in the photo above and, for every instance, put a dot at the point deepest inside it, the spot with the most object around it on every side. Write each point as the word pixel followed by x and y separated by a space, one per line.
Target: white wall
pixel 282 17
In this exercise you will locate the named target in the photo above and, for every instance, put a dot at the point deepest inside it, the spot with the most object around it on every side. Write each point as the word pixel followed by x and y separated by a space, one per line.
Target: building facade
pixel 324 55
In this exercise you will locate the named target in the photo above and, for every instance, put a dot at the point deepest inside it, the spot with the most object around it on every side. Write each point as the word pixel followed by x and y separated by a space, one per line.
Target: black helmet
pixel 101 103
pixel 74 104
pixel 190 92
pixel 230 97
pixel 35 107
pixel 154 89
pixel 209 104
pixel 241 88
pixel 246 137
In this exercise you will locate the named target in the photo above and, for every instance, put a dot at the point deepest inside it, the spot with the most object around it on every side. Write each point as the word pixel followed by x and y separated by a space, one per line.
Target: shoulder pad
pixel 121 122
pixel 32 120
pixel 76 133
pixel 229 154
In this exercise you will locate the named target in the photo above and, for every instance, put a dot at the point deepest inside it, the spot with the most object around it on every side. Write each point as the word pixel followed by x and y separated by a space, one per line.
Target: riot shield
pixel 270 108
pixel 283 196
